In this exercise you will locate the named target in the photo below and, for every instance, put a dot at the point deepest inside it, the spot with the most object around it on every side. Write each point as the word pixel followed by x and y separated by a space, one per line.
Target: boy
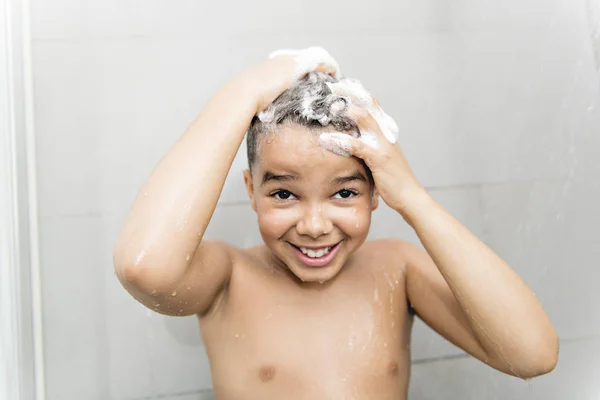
pixel 317 313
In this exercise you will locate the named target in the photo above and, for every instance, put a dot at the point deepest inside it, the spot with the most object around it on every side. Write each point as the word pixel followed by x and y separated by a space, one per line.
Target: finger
pixel 344 145
pixel 328 69
pixel 360 97
pixel 370 131
pixel 353 89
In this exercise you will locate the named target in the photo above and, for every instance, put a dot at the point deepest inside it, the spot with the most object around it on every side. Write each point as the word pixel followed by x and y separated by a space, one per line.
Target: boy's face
pixel 309 200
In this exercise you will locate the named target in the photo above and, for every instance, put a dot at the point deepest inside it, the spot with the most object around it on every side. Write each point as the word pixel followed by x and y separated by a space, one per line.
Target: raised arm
pixel 160 257
pixel 459 286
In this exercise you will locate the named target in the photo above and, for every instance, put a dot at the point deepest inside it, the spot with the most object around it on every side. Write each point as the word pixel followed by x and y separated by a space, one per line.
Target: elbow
pixel 542 365
pixel 538 360
pixel 140 274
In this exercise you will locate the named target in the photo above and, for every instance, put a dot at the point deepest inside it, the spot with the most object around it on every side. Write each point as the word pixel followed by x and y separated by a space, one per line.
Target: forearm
pixel 173 208
pixel 502 310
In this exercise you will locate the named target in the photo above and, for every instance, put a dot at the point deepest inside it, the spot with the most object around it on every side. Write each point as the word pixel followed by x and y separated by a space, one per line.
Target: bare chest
pixel 351 337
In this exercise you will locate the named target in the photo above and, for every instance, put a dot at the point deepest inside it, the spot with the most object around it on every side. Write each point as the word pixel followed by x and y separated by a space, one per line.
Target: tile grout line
pixel 465 355
pixel 477 185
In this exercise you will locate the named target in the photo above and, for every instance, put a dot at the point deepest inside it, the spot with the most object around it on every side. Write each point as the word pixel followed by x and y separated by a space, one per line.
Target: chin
pixel 312 274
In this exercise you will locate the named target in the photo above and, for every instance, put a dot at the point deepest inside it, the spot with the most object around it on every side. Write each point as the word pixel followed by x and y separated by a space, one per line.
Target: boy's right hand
pixel 284 67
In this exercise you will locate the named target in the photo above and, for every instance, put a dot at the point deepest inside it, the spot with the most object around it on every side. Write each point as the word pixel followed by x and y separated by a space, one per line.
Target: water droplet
pixel 237 335
pixel 321 282
pixel 187 258
pixel 174 293
pixel 153 292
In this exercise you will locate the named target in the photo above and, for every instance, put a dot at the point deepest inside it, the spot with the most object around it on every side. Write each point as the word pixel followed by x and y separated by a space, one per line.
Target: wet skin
pixel 283 329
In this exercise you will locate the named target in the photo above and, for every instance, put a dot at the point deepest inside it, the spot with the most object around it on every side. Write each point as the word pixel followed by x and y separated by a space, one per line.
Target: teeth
pixel 315 253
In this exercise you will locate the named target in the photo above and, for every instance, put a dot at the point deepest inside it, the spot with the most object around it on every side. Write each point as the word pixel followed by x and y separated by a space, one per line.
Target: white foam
pixel 369 138
pixel 386 123
pixel 353 89
pixel 336 142
pixel 361 97
pixel 266 116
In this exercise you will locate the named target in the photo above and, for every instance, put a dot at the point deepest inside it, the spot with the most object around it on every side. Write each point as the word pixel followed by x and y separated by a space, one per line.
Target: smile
pixel 316 256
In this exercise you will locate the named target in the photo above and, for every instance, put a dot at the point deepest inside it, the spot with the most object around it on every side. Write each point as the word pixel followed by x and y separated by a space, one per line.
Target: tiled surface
pixel 485 93
pixel 76 344
pixel 547 231
pixel 575 377
pixel 65 19
pixel 499 104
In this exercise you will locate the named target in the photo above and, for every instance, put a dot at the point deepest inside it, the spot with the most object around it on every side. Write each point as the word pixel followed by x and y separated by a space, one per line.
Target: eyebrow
pixel 339 180
pixel 355 176
pixel 270 176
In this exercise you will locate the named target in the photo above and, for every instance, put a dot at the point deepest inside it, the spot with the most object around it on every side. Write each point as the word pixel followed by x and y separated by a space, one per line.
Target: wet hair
pixel 310 103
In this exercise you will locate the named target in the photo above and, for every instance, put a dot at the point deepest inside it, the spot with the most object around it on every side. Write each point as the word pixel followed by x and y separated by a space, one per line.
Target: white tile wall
pixel 575 377
pixel 76 342
pixel 547 231
pixel 499 111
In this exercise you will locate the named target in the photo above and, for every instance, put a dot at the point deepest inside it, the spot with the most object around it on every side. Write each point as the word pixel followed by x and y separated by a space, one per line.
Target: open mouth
pixel 316 257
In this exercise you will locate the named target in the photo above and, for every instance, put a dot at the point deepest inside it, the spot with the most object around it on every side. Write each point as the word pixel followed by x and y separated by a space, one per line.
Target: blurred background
pixel 499 115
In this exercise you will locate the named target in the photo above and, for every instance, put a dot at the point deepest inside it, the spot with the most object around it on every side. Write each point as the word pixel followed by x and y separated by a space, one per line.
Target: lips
pixel 316 256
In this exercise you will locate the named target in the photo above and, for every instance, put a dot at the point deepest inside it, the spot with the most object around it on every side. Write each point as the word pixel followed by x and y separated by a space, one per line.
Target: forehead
pixel 296 149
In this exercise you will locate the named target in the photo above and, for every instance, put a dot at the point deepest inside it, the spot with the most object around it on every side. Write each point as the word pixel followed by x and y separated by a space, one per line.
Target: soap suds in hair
pixel 316 101
pixel 361 97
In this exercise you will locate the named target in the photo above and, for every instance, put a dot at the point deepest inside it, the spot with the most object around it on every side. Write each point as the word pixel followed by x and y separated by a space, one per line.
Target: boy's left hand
pixel 394 179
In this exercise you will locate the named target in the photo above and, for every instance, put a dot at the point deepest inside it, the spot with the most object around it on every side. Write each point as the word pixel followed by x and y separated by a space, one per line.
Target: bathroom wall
pixel 498 110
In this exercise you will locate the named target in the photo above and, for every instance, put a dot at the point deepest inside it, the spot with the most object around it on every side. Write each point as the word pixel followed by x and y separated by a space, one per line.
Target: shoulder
pixel 390 248
pixel 391 255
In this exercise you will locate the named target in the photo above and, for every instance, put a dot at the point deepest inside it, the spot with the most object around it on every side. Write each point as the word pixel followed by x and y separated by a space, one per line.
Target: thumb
pixel 346 145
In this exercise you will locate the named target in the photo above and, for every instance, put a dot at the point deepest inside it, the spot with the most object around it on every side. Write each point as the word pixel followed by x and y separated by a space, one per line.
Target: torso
pixel 270 337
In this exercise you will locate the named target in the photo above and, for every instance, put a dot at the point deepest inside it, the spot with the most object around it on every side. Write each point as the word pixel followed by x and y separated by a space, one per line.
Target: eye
pixel 345 194
pixel 283 195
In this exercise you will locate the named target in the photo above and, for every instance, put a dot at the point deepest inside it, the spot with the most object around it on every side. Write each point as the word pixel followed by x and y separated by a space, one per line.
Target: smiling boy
pixel 317 312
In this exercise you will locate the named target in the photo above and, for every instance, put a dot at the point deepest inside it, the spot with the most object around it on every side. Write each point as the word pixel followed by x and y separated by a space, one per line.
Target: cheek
pixel 275 221
pixel 354 220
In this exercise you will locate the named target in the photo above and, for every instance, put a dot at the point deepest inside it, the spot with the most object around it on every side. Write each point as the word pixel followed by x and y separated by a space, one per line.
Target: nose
pixel 314 222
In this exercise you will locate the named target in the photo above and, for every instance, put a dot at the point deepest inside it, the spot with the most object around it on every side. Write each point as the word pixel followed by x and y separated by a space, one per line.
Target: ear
pixel 375 200
pixel 249 188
